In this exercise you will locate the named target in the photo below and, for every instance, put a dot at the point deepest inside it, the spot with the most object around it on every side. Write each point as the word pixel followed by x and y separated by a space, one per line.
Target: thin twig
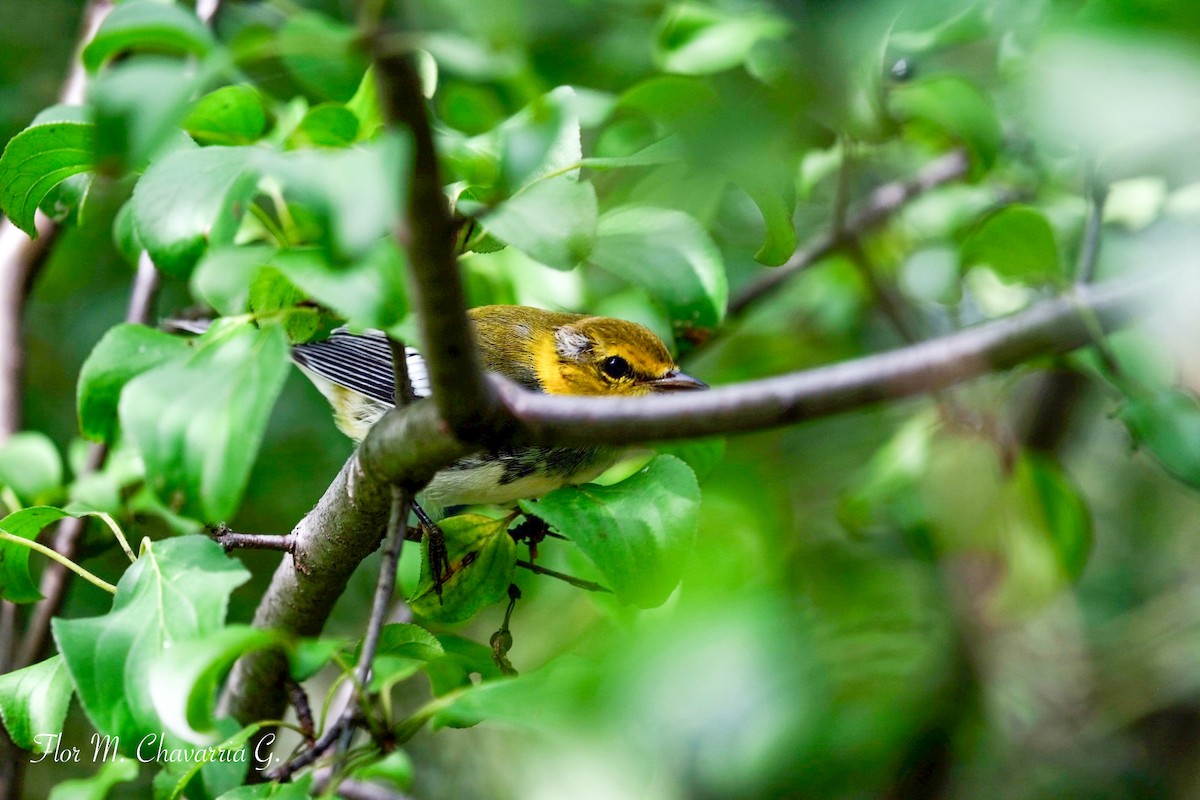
pixel 562 576
pixel 232 540
pixel 879 207
pixel 299 700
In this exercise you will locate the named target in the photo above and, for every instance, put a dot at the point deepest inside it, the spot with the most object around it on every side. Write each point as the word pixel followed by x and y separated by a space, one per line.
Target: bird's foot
pixel 439 557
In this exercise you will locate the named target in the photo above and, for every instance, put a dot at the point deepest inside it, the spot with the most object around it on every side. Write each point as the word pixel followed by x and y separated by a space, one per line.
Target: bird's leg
pixel 439 559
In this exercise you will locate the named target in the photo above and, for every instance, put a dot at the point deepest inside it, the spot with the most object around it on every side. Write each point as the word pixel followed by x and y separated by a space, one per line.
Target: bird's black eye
pixel 616 368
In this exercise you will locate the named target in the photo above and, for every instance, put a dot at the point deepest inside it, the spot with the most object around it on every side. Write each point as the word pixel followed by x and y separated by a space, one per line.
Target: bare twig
pixel 591 586
pixel 299 700
pixel 231 540
pixel 882 203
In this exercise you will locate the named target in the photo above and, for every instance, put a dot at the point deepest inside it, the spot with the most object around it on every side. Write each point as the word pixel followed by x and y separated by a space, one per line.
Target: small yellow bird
pixel 545 351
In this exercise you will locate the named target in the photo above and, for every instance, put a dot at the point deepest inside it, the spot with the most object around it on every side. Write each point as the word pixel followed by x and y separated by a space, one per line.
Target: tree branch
pixel 882 203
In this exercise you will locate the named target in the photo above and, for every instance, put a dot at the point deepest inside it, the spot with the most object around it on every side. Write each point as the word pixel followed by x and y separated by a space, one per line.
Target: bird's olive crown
pixel 572 353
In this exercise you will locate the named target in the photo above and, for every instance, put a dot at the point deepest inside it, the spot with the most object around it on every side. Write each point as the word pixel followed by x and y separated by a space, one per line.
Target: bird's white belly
pixel 482 485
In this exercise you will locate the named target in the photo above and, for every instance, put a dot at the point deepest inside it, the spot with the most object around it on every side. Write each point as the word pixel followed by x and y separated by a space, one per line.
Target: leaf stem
pixel 562 576
pixel 61 559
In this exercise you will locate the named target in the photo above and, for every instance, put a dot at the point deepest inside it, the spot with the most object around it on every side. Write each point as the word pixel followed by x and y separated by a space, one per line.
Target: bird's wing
pixel 362 362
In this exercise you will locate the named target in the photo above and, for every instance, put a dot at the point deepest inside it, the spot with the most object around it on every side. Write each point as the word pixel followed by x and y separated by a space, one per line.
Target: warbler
pixel 545 351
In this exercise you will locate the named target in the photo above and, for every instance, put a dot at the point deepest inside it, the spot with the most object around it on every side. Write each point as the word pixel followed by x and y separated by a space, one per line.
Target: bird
pixel 544 351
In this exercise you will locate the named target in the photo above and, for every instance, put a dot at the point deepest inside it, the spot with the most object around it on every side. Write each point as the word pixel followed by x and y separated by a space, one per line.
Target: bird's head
pixel 605 356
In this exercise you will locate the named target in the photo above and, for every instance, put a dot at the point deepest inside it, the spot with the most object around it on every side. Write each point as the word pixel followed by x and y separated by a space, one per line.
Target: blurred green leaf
pixel 298 789
pixel 177 590
pixel 954 107
pixel 552 221
pixel 1068 520
pixel 98 786
pixel 670 255
pixel 222 278
pixel 323 55
pixel 638 532
pixel 461 658
pixel 124 352
pixel 138 107
pixel 697 40
pixel 30 465
pixel 198 420
pixel 701 455
pixel 307 657
pixel 395 768
pixel 184 679
pixel 39 158
pixel 1167 423
pixel 33 703
pixel 326 125
pixel 147 25
pixel 482 559
pixel 192 198
pixel 231 115
pixel 540 139
pixel 365 105
pixel 1017 242
pixel 777 204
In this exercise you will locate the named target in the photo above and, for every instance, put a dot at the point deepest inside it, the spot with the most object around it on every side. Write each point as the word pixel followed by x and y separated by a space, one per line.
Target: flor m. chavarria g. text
pixel 151 748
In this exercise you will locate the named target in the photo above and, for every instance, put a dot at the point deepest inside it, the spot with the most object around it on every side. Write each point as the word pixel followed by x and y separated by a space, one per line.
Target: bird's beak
pixel 676 381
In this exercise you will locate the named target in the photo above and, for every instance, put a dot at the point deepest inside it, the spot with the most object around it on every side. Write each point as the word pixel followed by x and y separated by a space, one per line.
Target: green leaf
pixel 365 105
pixel 1017 242
pixel 323 56
pixel 404 649
pixel 462 658
pixel 223 277
pixel 326 125
pixel 357 192
pixel 178 590
pixel 954 107
pixel 16 585
pixel 638 532
pixel 701 455
pixel 198 421
pixel 138 106
pixel 125 352
pixel 1167 424
pixel 395 768
pixel 147 25
pixel 297 789
pixel 541 138
pixel 191 198
pixel 369 294
pixel 33 703
pixel 699 40
pixel 670 255
pixel 183 680
pixel 39 158
pixel 482 559
pixel 1068 521
pixel 97 787
pixel 309 656
pixel 231 115
pixel 552 221
pixel 30 465
pixel 220 773
pixel 777 206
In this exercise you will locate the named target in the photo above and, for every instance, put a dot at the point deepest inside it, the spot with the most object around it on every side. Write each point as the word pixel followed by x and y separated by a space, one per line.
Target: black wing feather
pixel 362 362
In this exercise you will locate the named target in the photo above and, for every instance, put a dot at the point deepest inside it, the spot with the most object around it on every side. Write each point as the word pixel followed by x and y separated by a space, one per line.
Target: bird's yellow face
pixel 604 356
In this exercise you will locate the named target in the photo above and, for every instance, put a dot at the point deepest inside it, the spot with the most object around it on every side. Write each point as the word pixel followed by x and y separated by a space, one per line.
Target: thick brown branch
pixel 883 202
pixel 447 342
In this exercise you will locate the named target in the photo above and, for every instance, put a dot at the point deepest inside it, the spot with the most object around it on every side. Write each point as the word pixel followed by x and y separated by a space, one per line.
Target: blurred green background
pixel 897 602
